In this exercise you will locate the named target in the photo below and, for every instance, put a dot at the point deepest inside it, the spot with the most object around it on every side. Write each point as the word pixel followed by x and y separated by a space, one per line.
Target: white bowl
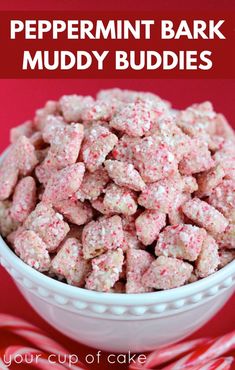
pixel 121 322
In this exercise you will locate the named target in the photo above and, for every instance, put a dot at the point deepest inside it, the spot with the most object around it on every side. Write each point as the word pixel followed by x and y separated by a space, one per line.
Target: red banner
pixel 116 45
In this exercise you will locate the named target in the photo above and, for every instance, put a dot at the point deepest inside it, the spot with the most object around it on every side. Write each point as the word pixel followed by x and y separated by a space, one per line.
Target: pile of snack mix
pixel 121 193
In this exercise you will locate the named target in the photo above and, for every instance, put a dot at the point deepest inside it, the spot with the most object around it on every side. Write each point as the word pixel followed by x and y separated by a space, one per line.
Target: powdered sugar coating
pixel 74 211
pixel 8 176
pixel 120 200
pixel 124 174
pixel 92 185
pixel 130 96
pixel 106 270
pixel 48 224
pixel 65 146
pixel 44 172
pixel 167 273
pixel 198 121
pixel 24 155
pixel 26 129
pixel 51 107
pixel 202 122
pixel 204 215
pixel 175 214
pixel 180 241
pixel 31 249
pixel 70 264
pixel 51 125
pixel 208 260
pixel 190 184
pixel 72 106
pixel 225 157
pixel 130 241
pixel 227 238
pixel 24 199
pixel 138 262
pixel 223 129
pixel 19 160
pixel 13 234
pixel 100 110
pixel 64 183
pixel 159 195
pixel 124 149
pixel 165 128
pixel 96 146
pixel 102 235
pixel 223 198
pixel 198 159
pixel 148 226
pixel 134 119
pixel 207 181
pixel 154 159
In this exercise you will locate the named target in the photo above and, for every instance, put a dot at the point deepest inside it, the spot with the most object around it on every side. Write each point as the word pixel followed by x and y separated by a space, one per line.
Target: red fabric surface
pixel 20 98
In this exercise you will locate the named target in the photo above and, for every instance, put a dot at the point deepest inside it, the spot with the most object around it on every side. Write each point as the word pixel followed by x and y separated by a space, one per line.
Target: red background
pixel 20 98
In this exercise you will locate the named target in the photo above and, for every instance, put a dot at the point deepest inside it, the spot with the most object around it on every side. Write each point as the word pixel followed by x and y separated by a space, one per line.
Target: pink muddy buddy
pixel 121 193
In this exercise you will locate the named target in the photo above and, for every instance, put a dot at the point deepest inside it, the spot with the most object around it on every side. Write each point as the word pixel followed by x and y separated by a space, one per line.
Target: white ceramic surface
pixel 119 322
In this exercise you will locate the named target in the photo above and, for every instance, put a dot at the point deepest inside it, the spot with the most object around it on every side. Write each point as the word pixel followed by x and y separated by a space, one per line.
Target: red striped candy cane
pixel 222 363
pixel 206 352
pixel 161 356
pixel 31 333
pixel 35 336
